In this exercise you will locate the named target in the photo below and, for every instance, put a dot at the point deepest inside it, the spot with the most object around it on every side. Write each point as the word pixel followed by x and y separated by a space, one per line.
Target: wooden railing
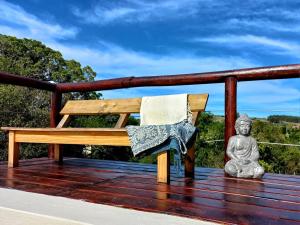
pixel 229 77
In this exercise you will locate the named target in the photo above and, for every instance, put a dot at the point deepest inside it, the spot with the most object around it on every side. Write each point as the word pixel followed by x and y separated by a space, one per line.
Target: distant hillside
pixel 271 118
pixel 283 118
pixel 218 118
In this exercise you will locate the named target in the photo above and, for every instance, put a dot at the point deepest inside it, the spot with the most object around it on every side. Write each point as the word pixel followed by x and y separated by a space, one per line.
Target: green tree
pixel 102 152
pixel 29 107
pixel 278 158
pixel 274 158
pixel 209 144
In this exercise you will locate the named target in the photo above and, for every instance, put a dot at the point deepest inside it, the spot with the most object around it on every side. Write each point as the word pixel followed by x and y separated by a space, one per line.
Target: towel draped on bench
pixel 165 125
pixel 157 138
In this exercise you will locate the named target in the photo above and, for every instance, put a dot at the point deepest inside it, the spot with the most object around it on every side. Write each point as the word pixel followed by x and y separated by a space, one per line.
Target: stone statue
pixel 243 152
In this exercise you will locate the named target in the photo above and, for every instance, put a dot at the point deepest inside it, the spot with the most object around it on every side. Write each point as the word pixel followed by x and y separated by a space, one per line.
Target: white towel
pixel 162 110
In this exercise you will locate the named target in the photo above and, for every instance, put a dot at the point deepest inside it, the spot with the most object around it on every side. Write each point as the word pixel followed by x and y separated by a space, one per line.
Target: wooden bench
pixel 116 136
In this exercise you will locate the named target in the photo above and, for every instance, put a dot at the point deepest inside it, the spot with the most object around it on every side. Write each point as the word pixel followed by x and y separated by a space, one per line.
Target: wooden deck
pixel 211 196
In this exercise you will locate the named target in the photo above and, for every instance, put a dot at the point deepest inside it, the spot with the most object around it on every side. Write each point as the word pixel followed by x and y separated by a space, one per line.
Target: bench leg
pixel 163 167
pixel 13 150
pixel 189 163
pixel 58 155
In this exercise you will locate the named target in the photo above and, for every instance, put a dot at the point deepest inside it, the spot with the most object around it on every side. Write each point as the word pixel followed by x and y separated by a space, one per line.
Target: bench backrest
pixel 124 107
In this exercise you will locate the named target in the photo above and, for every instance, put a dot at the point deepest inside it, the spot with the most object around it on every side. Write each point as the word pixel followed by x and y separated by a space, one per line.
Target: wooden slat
pixel 93 107
pixel 64 121
pixel 113 138
pixel 197 102
pixel 122 120
pixel 63 129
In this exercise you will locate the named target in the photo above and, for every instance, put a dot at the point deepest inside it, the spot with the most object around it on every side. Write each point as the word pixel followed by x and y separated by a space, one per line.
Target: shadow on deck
pixel 211 196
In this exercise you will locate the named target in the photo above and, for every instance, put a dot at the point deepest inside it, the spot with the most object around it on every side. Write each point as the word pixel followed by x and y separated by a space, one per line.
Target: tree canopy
pixel 33 59
pixel 29 107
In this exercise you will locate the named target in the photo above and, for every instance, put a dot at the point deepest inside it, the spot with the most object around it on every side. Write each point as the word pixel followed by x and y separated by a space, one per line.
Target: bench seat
pixel 88 136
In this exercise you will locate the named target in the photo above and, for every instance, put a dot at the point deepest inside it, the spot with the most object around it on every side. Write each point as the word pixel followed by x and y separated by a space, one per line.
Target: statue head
pixel 243 125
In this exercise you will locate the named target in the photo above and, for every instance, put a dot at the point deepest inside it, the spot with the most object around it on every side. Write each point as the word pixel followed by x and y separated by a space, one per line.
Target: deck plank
pixel 125 182
pixel 211 196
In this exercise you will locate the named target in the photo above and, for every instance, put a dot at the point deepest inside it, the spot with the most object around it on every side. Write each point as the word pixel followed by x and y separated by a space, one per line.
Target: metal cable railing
pixel 259 142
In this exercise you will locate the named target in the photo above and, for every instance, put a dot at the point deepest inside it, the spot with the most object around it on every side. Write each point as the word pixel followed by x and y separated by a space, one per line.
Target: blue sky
pixel 141 38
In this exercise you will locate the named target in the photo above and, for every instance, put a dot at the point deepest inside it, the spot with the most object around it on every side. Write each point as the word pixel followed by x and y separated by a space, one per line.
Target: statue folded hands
pixel 243 152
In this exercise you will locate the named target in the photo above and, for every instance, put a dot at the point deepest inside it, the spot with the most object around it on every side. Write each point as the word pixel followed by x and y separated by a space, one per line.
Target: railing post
pixel 54 116
pixel 230 110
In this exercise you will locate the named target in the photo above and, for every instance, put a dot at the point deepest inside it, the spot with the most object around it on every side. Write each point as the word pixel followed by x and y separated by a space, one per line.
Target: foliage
pixel 28 107
pixel 209 154
pixel 102 152
pixel 283 118
pixel 278 158
pixel 273 157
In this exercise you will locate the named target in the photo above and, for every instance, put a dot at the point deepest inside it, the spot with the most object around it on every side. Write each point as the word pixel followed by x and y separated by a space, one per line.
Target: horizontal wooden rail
pixel 6 78
pixel 229 77
pixel 261 73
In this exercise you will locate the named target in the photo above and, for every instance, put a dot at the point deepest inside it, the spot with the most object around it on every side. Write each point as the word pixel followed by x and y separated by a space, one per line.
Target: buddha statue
pixel 243 152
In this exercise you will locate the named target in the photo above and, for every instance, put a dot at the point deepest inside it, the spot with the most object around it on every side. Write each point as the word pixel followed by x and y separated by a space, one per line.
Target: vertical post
pixel 54 116
pixel 13 150
pixel 163 167
pixel 230 110
pixel 189 162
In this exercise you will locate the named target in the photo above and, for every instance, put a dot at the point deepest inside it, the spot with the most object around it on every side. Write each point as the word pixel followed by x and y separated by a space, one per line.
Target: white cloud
pixel 293 14
pixel 133 11
pixel 276 46
pixel 262 98
pixel 23 24
pixel 267 92
pixel 259 98
pixel 266 24
pixel 113 59
pixel 109 58
pixel 267 15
